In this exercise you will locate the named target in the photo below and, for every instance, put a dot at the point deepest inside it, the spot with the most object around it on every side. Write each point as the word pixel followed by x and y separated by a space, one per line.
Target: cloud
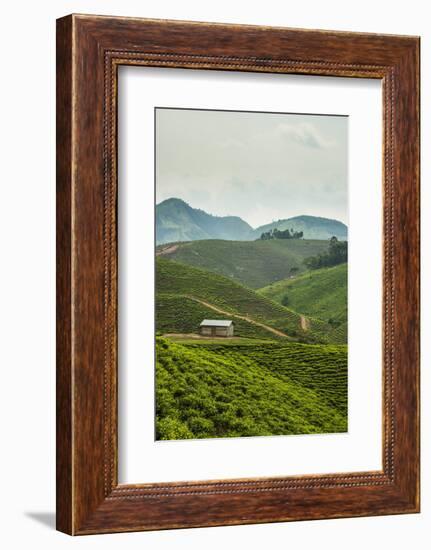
pixel 304 134
pixel 257 166
pixel 230 143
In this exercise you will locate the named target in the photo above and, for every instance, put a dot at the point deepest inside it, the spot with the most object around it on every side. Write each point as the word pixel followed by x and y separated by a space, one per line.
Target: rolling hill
pixel 177 221
pixel 313 227
pixel 205 391
pixel 320 293
pixel 252 263
pixel 179 314
pixel 175 279
pixel 186 295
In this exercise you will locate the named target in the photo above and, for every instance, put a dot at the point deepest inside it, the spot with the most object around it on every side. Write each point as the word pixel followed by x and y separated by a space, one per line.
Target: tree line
pixel 281 234
pixel 337 254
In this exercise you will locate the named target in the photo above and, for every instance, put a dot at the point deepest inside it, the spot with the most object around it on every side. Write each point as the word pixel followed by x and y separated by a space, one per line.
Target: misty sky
pixel 259 166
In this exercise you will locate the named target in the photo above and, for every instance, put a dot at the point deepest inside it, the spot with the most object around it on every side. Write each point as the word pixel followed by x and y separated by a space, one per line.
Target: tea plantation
pixel 178 284
pixel 207 390
pixel 180 314
pixel 320 293
pixel 252 263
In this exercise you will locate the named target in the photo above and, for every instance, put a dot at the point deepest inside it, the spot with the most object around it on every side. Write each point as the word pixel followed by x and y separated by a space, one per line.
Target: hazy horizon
pixel 235 215
pixel 261 167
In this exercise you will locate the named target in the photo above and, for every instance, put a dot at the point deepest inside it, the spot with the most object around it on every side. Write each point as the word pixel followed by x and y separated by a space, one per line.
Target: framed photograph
pixel 237 274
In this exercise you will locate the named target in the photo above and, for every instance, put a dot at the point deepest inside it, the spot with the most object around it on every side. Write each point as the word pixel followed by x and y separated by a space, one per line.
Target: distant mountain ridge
pixel 313 227
pixel 177 221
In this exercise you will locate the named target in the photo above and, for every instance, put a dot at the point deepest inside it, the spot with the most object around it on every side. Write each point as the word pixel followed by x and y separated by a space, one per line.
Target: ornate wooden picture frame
pixel 89 51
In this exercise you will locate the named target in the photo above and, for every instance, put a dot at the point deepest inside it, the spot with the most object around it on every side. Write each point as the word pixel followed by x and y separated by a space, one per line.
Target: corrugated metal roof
pixel 214 323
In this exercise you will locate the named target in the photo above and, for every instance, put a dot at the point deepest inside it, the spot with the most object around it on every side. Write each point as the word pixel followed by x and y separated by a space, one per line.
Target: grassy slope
pixel 177 280
pixel 252 263
pixel 232 391
pixel 179 314
pixel 321 293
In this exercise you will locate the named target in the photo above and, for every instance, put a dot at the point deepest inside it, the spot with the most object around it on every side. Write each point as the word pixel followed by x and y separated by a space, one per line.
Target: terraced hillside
pixel 320 293
pixel 252 263
pixel 215 390
pixel 225 298
pixel 180 314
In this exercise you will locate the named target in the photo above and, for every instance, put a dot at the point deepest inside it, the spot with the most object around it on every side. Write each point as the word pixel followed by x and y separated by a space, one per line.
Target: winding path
pixel 167 250
pixel 243 317
pixel 305 323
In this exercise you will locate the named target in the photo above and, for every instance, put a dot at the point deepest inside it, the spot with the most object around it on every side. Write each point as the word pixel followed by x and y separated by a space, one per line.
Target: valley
pixel 283 371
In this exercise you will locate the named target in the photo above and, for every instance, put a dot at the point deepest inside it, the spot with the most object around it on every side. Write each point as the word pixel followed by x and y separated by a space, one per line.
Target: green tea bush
pixel 245 390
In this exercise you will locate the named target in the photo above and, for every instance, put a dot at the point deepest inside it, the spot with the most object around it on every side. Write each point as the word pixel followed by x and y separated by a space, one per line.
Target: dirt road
pixel 305 323
pixel 243 317
pixel 167 250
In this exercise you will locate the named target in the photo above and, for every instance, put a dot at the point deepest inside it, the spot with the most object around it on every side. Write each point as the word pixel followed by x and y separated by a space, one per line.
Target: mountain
pixel 313 227
pixel 252 263
pixel 178 221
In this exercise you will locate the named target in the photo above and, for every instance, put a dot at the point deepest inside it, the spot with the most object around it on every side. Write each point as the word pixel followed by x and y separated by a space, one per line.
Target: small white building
pixel 211 327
